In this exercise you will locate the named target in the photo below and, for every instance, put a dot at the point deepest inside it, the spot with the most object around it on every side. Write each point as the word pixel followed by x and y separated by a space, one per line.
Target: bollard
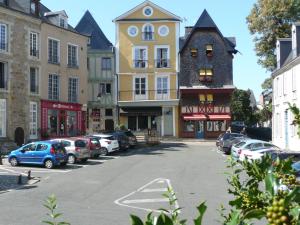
pixel 29 175
pixel 20 179
pixel 1 163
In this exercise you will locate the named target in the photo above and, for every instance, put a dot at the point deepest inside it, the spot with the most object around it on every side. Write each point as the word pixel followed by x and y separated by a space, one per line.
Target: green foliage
pixel 267 84
pixel 269 20
pixel 240 106
pixel 51 205
pixel 296 112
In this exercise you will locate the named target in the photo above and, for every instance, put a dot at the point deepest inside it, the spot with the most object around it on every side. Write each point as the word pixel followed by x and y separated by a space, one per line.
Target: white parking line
pixel 146 200
pixel 156 190
pixel 12 171
pixel 3 172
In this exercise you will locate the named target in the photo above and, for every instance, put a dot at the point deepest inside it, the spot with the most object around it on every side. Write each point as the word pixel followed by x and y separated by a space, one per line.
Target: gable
pixel 138 13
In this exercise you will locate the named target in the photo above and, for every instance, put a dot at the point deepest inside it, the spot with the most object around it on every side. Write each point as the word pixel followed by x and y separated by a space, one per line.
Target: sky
pixel 229 16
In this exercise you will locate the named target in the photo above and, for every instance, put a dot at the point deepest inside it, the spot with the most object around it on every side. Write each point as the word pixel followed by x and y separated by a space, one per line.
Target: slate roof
pixel 88 26
pixel 205 22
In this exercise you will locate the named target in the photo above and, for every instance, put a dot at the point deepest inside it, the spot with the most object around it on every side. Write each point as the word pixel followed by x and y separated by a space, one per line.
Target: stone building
pixel 102 89
pixel 205 80
pixel 20 63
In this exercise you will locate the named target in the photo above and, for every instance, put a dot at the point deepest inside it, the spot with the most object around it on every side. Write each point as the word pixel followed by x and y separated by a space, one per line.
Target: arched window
pixel 148 32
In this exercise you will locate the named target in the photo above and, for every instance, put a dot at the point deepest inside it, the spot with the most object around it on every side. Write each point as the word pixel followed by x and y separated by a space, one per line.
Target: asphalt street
pixel 108 190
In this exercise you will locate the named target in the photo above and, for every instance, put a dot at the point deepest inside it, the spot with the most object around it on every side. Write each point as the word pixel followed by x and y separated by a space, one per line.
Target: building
pixel 20 28
pixel 63 76
pixel 286 90
pixel 206 79
pixel 102 93
pixel 147 45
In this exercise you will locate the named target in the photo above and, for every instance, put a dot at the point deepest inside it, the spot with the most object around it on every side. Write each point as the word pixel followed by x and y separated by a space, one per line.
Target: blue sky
pixel 229 15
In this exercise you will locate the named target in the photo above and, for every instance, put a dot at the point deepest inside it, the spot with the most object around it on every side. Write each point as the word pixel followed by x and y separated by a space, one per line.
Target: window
pixel 147 11
pixel 29 147
pixel 194 52
pixel 33 45
pixel 209 98
pixel 33 121
pixel 140 85
pixel 72 56
pixel 106 63
pixel 73 90
pixel 209 50
pixel 256 146
pixel 53 87
pixel 108 112
pixel 162 84
pixel 162 57
pixel 3 76
pixel 88 63
pixel 148 32
pixel 41 147
pixel 202 98
pixel 216 126
pixel 3 37
pixel 163 30
pixel 2 117
pixel 189 126
pixel 34 80
pixel 132 31
pixel 140 57
pixel 62 22
pixel 105 88
pixel 205 74
pixel 53 51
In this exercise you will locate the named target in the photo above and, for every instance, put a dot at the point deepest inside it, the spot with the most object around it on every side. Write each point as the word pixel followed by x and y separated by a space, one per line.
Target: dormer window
pixel 209 50
pixel 62 22
pixel 194 52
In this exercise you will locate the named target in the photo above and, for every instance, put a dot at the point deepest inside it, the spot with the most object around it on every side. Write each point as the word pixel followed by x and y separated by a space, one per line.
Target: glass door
pixel 200 130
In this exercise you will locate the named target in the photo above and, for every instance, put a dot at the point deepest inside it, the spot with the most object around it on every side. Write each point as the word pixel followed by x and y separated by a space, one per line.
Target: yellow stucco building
pixel 147 45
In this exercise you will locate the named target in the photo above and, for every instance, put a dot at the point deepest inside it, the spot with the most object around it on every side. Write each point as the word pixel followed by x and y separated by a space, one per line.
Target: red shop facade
pixel 60 119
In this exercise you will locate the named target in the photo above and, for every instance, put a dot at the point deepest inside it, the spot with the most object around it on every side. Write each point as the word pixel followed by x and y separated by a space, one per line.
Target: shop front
pixel 61 119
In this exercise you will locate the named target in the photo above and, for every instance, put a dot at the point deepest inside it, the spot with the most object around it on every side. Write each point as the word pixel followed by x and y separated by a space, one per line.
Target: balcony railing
pixel 162 63
pixel 206 78
pixel 141 95
pixel 148 36
pixel 140 63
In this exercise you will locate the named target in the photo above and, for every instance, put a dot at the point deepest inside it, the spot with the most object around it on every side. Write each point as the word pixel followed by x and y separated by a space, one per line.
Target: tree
pixel 269 20
pixel 240 106
pixel 267 84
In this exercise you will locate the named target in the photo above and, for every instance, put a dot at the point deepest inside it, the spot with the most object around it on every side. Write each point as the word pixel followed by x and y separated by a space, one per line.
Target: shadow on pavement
pixel 9 182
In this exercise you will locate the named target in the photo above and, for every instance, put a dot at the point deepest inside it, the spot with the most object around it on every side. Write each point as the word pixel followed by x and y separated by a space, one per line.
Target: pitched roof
pixel 205 22
pixel 143 4
pixel 88 26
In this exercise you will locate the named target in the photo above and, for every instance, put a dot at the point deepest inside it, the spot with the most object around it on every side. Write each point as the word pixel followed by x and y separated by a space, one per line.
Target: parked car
pixel 108 143
pixel 77 149
pixel 123 140
pixel 46 153
pixel 94 146
pixel 132 138
pixel 225 136
pixel 226 145
pixel 251 149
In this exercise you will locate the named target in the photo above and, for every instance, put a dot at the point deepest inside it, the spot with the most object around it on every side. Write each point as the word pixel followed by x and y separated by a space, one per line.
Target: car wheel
pixel 71 159
pixel 14 161
pixel 104 151
pixel 48 164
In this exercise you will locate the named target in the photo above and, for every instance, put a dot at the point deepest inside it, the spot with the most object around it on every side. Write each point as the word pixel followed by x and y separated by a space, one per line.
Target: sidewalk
pixel 173 139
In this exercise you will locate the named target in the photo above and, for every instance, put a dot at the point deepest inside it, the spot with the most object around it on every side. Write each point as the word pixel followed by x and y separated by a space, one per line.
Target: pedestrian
pixel 228 129
pixel 243 131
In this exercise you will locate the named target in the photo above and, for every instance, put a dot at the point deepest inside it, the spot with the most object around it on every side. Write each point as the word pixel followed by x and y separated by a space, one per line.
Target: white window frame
pixel 3 121
pixel 138 96
pixel 134 56
pixel 5 38
pixel 58 50
pixel 133 27
pixel 156 47
pixel 37 44
pixel 33 125
pixel 144 10
pixel 68 62
pixel 37 74
pixel 163 96
pixel 58 87
pixel 70 92
pixel 160 28
pixel 152 31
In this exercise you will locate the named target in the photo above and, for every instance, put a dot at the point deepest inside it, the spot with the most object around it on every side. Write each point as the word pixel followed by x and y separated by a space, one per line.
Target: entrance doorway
pixel 109 125
pixel 200 129
pixel 19 136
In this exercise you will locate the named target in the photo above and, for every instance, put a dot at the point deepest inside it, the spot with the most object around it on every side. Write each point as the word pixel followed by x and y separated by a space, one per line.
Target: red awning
pixel 195 117
pixel 219 117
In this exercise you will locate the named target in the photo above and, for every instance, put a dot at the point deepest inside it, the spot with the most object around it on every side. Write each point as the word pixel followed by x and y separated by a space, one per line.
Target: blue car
pixel 46 153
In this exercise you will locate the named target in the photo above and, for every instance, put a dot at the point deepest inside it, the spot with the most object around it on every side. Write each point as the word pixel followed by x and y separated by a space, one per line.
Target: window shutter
pixel 136 54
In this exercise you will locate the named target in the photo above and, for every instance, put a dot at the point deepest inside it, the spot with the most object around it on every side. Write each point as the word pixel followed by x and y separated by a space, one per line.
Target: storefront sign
pixel 204 109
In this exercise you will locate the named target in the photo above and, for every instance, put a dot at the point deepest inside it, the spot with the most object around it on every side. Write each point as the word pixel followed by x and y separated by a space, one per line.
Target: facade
pixel 286 90
pixel 20 63
pixel 147 45
pixel 206 80
pixel 63 77
pixel 102 88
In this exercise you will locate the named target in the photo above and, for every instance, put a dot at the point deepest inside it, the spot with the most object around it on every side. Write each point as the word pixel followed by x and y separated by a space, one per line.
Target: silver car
pixel 77 149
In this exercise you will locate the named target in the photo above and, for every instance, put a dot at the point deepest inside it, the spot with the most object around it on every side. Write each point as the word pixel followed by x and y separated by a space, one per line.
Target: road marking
pixel 146 200
pixel 156 190
pixel 124 203
pixel 12 171
pixel 35 170
pixel 3 172
pixel 109 157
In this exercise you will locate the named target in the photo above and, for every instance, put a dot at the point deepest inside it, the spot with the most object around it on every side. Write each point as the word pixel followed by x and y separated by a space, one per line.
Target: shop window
pixel 189 126
pixel 209 50
pixel 216 126
pixel 53 122
pixel 194 52
pixel 71 123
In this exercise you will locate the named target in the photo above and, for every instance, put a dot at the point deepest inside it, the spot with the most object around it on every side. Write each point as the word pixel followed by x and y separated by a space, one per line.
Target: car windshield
pixel 109 138
pixel 80 143
pixel 240 144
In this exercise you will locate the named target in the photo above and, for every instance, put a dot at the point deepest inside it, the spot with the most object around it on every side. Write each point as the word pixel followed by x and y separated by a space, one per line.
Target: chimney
pixel 188 31
pixel 283 50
